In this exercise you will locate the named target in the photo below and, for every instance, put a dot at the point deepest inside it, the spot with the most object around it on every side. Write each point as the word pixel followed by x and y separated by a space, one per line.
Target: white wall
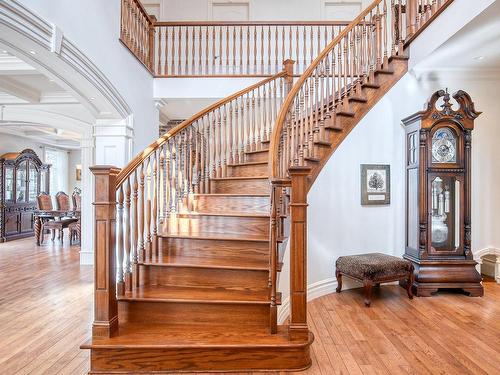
pixel 94 26
pixel 259 10
pixel 74 159
pixel 339 225
pixel 12 143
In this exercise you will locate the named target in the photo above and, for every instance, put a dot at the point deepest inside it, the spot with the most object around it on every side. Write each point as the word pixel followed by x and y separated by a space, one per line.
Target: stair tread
pixel 248 163
pixel 164 293
pixel 213 262
pixel 213 236
pixel 156 336
pixel 229 195
pixel 228 214
pixel 240 178
pixel 256 151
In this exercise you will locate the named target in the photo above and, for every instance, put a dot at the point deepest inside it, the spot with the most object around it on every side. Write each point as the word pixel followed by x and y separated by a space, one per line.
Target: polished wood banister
pixel 251 23
pixel 275 139
pixel 142 156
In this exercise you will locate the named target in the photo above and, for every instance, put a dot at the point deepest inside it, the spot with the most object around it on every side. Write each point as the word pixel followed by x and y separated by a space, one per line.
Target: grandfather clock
pixel 438 195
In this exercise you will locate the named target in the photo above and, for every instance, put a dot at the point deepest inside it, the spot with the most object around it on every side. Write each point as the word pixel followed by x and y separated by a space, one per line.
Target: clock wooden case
pixel 438 195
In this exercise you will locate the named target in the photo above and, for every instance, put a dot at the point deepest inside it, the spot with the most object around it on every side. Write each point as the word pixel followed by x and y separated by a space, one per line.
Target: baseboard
pixel 86 258
pixel 315 290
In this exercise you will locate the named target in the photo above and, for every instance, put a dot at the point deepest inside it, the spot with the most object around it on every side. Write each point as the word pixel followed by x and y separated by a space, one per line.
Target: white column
pixel 109 143
pixel 87 218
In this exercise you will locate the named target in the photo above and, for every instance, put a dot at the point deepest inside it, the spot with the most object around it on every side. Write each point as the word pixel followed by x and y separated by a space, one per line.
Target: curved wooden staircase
pixel 190 235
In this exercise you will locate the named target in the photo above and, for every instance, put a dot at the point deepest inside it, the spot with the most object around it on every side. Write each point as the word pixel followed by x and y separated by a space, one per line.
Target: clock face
pixel 444 146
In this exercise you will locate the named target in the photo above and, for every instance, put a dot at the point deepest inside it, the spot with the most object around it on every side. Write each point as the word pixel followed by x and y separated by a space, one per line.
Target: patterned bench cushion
pixel 373 266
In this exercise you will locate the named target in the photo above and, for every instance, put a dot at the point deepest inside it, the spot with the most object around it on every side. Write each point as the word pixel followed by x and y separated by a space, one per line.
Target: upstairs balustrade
pixel 199 49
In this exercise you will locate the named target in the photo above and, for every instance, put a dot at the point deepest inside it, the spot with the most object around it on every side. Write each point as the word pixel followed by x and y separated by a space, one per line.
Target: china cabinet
pixel 22 177
pixel 438 195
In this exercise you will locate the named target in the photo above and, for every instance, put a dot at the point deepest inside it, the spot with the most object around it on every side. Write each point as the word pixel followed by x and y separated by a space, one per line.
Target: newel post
pixel 151 41
pixel 105 305
pixel 298 253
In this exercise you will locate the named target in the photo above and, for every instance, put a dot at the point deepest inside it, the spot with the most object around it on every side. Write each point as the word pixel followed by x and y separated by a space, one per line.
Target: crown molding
pixel 46 38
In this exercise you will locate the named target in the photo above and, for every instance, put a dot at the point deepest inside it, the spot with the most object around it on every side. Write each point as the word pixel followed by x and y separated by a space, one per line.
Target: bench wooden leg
pixel 339 281
pixel 368 285
pixel 409 284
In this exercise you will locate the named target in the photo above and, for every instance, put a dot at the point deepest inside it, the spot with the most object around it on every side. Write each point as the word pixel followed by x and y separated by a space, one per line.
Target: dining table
pixel 40 216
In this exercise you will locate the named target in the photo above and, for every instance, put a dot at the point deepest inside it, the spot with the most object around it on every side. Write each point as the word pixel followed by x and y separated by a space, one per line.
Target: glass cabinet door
pixel 9 184
pixel 445 212
pixel 32 183
pixel 44 181
pixel 21 182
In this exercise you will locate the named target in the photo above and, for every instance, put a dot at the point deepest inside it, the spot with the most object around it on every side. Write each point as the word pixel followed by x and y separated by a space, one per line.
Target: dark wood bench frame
pixel 369 283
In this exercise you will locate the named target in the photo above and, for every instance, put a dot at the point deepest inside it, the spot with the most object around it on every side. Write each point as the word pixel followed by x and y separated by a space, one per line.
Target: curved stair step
pixel 241 203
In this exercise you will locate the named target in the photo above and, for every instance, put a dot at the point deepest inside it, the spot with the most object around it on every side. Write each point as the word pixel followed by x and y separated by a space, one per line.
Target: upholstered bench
pixel 373 269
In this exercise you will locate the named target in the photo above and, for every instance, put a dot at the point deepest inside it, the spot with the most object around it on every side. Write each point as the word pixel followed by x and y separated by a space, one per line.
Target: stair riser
pixel 221 204
pixel 230 225
pixel 141 361
pixel 254 315
pixel 214 248
pixel 257 156
pixel 250 186
pixel 206 277
pixel 248 170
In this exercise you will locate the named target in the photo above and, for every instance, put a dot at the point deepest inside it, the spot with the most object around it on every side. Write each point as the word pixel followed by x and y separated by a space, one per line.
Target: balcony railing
pixel 224 49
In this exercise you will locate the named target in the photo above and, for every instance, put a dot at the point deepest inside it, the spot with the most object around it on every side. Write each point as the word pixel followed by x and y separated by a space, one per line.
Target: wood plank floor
pixel 46 312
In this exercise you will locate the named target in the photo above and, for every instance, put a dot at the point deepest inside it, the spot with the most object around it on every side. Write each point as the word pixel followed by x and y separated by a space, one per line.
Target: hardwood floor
pixel 46 311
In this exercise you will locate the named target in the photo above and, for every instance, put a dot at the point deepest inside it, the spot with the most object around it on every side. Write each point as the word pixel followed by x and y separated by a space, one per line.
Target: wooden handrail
pixel 142 156
pixel 251 23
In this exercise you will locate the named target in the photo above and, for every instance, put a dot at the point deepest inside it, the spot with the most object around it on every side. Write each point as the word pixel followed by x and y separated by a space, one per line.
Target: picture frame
pixel 375 184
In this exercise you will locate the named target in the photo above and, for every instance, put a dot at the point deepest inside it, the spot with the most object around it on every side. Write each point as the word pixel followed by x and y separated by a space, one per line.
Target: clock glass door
pixel 446 214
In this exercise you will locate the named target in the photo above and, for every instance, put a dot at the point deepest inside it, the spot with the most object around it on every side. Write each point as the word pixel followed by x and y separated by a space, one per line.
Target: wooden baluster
pixel 135 233
pixel 105 304
pixel 248 49
pixel 227 63
pixel 311 40
pixel 269 70
pixel 264 123
pixel 166 62
pixel 142 251
pixel 155 203
pixel 128 244
pixel 208 153
pixel 283 45
pixel 171 178
pixel 120 285
pixel 276 48
pixel 148 191
pixel 385 30
pixel 206 35
pixel 307 120
pixel 193 50
pixel 199 69
pixel 220 49
pixel 179 51
pixel 230 131
pixel 400 25
pixel 326 81
pixel 159 65
pixel 234 70
pixel 186 51
pixel 255 50
pixel 394 37
pixel 214 56
pixel 241 70
pixel 172 49
pixel 262 57
pixel 297 43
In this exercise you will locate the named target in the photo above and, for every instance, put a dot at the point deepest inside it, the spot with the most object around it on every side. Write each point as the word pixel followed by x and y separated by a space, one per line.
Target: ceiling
pixel 475 49
pixel 34 106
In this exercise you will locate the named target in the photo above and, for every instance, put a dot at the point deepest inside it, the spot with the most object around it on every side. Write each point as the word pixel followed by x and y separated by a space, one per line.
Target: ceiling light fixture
pixel 32 52
pixel 92 99
pixel 478 58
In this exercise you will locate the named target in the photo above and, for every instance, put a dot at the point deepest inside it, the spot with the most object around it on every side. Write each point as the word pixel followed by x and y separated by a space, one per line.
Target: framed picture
pixel 375 184
pixel 78 173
